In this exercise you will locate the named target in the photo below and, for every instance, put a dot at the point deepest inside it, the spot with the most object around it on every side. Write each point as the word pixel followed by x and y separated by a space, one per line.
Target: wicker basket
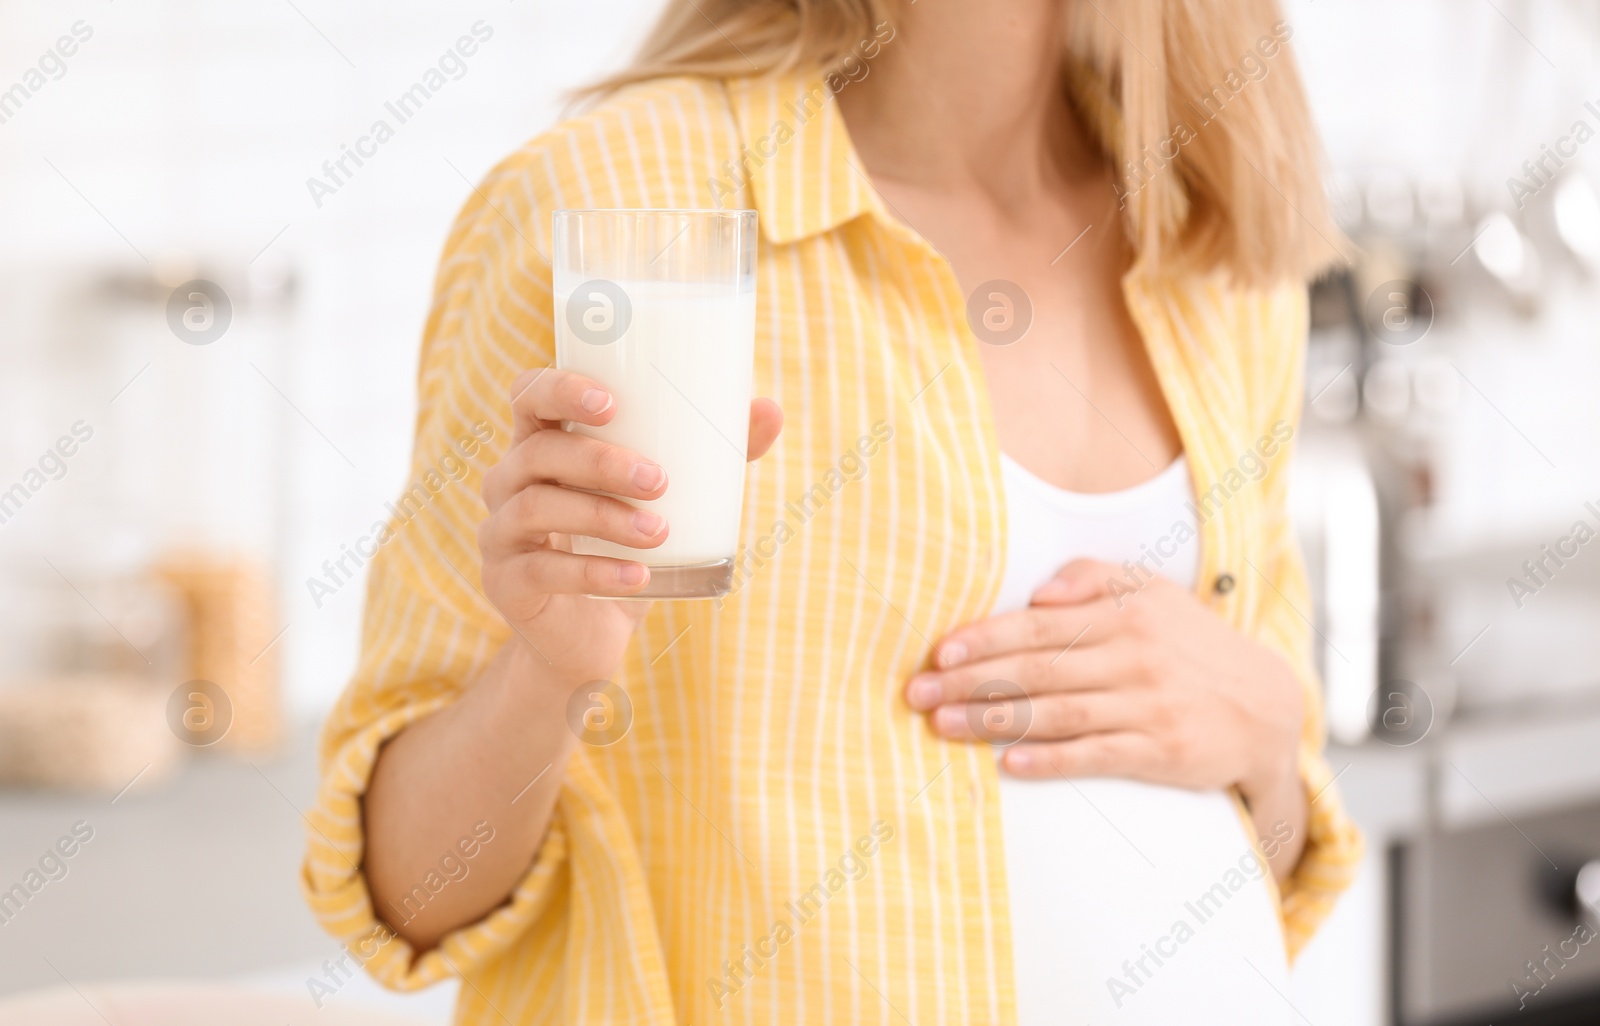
pixel 86 732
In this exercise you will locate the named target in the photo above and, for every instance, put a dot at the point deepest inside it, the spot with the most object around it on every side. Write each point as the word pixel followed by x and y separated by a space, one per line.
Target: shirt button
pixel 1223 584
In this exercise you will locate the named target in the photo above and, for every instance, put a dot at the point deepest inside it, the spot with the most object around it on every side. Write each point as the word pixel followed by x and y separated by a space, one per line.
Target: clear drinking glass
pixel 659 306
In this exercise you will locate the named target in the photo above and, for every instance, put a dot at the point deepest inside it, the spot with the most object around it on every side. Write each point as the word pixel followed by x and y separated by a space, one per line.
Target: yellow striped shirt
pixel 778 838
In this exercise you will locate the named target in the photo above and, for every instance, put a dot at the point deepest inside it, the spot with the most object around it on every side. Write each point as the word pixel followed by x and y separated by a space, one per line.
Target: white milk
pixel 681 374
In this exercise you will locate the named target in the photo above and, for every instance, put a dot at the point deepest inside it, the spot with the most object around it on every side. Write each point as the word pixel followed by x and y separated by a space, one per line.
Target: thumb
pixel 766 420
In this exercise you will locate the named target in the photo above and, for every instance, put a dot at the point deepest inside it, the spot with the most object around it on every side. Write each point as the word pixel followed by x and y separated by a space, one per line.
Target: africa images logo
pixel 599 312
pixel 1538 173
pixel 451 66
pixel 51 66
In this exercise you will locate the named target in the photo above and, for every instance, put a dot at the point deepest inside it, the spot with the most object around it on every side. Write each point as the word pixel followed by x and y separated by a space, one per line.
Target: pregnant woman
pixel 1010 715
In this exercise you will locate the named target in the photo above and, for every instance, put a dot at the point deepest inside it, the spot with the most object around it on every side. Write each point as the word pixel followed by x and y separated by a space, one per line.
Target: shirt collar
pixel 803 172
pixel 795 154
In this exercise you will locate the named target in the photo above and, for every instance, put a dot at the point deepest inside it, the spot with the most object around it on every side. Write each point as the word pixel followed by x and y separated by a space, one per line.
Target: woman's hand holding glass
pixel 543 491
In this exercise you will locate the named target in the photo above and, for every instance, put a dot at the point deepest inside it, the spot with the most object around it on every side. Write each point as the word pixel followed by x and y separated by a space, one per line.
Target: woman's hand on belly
pixel 1152 686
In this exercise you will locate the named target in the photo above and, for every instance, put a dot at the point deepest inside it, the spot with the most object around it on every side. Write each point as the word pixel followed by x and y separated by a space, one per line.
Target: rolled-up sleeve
pixel 337 891
pixel 1333 843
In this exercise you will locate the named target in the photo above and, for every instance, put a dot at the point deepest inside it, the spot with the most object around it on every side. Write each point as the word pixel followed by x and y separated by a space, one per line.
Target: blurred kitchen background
pixel 177 459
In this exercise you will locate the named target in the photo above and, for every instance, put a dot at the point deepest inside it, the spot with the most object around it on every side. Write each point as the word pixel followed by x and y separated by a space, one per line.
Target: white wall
pixel 190 129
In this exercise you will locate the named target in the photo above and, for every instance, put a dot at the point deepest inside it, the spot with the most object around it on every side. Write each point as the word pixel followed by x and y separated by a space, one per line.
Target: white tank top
pixel 1130 903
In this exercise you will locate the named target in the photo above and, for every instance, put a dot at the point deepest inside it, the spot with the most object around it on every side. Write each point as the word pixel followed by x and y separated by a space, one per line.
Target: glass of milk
pixel 659 306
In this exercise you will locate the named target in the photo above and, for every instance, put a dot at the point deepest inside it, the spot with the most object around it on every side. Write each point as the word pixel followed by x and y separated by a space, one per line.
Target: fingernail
pixel 648 524
pixel 952 653
pixel 631 574
pixel 1019 759
pixel 947 719
pixel 596 400
pixel 923 693
pixel 647 477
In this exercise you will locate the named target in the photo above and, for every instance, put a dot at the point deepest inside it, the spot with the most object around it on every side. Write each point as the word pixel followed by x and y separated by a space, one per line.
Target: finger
pixel 540 510
pixel 545 396
pixel 766 420
pixel 576 461
pixel 1124 754
pixel 553 572
pixel 1081 580
pixel 1050 717
pixel 1035 672
pixel 1056 628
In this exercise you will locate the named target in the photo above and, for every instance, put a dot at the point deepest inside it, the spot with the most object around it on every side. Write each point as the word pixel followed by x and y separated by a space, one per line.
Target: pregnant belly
pixel 1138 904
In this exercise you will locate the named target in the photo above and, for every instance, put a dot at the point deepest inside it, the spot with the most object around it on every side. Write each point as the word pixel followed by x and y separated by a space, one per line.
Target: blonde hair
pixel 1204 90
